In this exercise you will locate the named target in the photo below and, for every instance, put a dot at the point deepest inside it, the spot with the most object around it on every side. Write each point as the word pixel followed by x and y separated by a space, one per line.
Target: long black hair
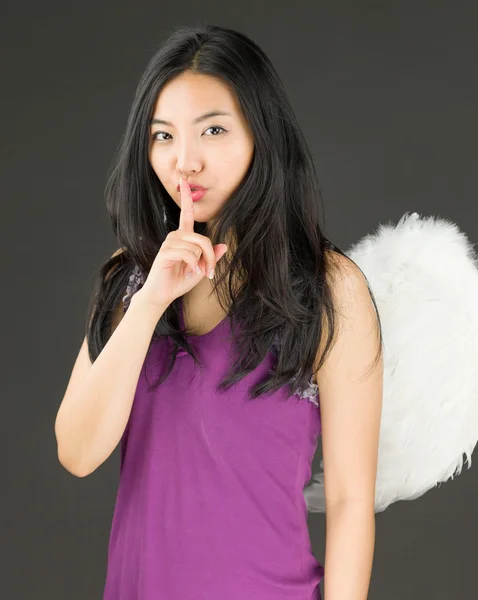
pixel 282 257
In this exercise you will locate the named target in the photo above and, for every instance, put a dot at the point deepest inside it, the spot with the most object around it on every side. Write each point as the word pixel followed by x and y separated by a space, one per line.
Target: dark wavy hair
pixel 282 256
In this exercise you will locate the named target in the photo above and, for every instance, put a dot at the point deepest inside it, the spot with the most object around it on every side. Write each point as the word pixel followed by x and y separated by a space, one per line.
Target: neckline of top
pixel 199 336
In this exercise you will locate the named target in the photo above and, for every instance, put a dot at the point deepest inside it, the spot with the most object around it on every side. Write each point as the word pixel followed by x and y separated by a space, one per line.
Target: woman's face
pixel 214 152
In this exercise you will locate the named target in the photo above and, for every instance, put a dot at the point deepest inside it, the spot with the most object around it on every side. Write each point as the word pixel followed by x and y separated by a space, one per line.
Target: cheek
pixel 241 151
pixel 158 166
pixel 242 162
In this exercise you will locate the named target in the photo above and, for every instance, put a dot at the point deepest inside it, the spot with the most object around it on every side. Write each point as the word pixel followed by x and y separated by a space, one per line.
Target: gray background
pixel 386 93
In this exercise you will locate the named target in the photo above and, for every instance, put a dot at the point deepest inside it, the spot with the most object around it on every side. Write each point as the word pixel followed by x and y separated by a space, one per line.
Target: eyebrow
pixel 208 115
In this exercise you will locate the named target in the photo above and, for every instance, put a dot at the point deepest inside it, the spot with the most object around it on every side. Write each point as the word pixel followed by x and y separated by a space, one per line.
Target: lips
pixel 193 187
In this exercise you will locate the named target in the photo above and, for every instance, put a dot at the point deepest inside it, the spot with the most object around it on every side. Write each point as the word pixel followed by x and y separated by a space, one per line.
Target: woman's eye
pixel 159 133
pixel 215 127
pixel 164 133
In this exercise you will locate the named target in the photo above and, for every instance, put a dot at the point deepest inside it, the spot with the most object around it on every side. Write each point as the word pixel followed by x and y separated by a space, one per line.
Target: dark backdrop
pixel 386 93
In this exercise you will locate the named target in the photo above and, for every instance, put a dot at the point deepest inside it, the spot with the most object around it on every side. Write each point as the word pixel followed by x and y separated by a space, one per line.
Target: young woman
pixel 223 266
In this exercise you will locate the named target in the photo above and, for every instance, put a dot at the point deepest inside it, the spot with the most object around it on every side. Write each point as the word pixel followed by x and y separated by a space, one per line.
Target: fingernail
pixel 211 273
pixel 198 270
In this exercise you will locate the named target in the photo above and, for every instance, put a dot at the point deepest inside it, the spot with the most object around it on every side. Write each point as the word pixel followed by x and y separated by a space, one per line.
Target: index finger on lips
pixel 186 214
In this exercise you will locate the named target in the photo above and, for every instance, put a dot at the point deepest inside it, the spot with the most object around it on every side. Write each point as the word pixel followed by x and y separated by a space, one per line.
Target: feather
pixel 423 273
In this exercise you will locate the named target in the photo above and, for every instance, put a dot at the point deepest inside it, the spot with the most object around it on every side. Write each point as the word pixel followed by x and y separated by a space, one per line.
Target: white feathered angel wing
pixel 424 276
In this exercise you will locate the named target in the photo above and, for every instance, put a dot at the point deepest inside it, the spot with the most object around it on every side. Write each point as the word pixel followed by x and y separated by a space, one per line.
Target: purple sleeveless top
pixel 210 502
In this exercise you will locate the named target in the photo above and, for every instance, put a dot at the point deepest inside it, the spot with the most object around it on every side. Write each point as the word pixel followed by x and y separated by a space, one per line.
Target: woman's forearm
pixel 349 547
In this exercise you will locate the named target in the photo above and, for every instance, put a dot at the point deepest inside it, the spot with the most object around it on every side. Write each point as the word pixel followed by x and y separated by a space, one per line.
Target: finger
pixel 186 214
pixel 197 242
pixel 213 254
pixel 187 256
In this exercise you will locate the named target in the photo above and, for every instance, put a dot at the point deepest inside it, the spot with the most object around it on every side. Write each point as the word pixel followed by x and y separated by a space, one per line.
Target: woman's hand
pixel 183 259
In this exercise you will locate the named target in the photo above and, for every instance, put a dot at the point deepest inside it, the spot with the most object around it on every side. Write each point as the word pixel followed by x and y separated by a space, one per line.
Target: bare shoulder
pixel 341 268
pixel 349 287
pixel 351 304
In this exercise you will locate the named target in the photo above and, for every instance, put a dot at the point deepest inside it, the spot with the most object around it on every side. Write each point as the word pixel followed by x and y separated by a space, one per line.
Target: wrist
pixel 147 305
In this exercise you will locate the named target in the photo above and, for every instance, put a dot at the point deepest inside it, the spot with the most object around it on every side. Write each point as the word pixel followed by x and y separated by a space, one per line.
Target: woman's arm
pixel 350 407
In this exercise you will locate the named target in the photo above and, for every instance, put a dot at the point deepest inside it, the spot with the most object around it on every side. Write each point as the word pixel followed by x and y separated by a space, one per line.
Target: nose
pixel 186 174
pixel 189 161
